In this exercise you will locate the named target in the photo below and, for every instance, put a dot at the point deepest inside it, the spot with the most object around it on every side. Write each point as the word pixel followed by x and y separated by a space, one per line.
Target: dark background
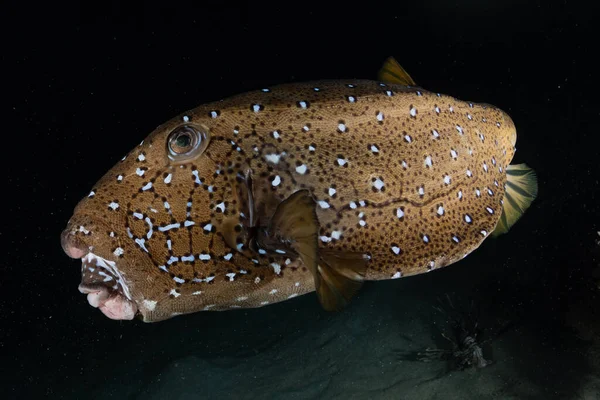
pixel 84 83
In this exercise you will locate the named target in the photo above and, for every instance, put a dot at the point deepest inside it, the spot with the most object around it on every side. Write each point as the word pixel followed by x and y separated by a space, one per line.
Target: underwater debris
pixel 465 338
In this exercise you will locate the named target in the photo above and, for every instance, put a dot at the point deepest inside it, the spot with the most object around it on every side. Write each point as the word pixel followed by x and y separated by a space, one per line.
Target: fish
pixel 297 188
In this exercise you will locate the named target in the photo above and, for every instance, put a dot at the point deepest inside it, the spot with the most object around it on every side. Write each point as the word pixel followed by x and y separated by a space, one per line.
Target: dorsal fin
pixel 392 72
pixel 521 190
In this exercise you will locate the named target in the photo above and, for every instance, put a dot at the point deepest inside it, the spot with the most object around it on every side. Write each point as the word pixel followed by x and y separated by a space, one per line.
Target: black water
pixel 84 83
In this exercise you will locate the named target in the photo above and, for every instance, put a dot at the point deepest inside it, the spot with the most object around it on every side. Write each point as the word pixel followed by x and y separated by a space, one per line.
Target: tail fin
pixel 521 190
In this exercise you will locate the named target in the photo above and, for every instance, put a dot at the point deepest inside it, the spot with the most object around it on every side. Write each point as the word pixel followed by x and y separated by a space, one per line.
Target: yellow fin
pixel 340 276
pixel 392 72
pixel 293 229
pixel 521 190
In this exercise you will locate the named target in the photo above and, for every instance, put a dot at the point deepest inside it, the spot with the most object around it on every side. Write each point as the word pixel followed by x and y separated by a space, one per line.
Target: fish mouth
pixel 101 280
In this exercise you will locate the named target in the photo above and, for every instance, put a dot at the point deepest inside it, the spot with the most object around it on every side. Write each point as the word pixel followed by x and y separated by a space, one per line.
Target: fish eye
pixel 187 142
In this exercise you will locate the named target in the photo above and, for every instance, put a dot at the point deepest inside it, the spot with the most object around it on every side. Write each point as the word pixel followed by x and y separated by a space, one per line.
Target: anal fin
pixel 521 190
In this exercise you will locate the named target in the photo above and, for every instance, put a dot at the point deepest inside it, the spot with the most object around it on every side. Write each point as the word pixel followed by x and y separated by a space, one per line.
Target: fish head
pixel 133 232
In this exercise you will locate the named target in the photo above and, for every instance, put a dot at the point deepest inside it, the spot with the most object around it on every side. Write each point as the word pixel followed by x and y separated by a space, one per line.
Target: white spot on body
pixel 396 250
pixel 397 275
pixel 440 210
pixel 323 204
pixel 114 205
pixel 378 184
pixel 428 161
pixel 276 180
pixel 413 112
pixel 447 179
pixel 301 169
pixel 399 213
pixel 332 191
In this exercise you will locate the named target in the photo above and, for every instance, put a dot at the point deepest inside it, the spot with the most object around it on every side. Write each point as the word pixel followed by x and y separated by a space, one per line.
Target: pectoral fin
pixel 521 190
pixel 340 276
pixel 293 229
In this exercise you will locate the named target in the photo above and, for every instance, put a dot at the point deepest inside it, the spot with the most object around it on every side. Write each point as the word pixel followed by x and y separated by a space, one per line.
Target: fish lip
pixel 106 288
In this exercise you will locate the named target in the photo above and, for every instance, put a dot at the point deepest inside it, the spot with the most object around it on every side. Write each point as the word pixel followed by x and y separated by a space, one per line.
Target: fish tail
pixel 521 190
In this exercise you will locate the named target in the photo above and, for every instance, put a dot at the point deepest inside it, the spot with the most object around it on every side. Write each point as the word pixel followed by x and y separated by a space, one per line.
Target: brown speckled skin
pixel 362 148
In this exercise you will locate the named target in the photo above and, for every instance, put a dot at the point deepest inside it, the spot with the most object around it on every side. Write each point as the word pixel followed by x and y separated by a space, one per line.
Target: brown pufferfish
pixel 279 192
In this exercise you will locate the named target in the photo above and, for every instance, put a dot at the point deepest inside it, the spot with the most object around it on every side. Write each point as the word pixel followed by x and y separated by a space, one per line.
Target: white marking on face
pixel 168 178
pixel 352 205
pixel 169 244
pixel 169 227
pixel 332 191
pixel 150 304
pixel 141 157
pixel 147 186
pixel 276 268
pixel 118 251
pixel 397 275
pixel 189 258
pixel 174 293
pixel 231 276
pixel 276 180
pixel 378 184
pixel 336 235
pixel 208 227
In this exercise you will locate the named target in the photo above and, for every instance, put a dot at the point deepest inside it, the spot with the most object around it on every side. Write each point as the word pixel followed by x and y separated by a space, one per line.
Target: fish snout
pixel 72 244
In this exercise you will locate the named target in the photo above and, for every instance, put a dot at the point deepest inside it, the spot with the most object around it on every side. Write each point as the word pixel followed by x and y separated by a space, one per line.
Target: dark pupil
pixel 183 140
